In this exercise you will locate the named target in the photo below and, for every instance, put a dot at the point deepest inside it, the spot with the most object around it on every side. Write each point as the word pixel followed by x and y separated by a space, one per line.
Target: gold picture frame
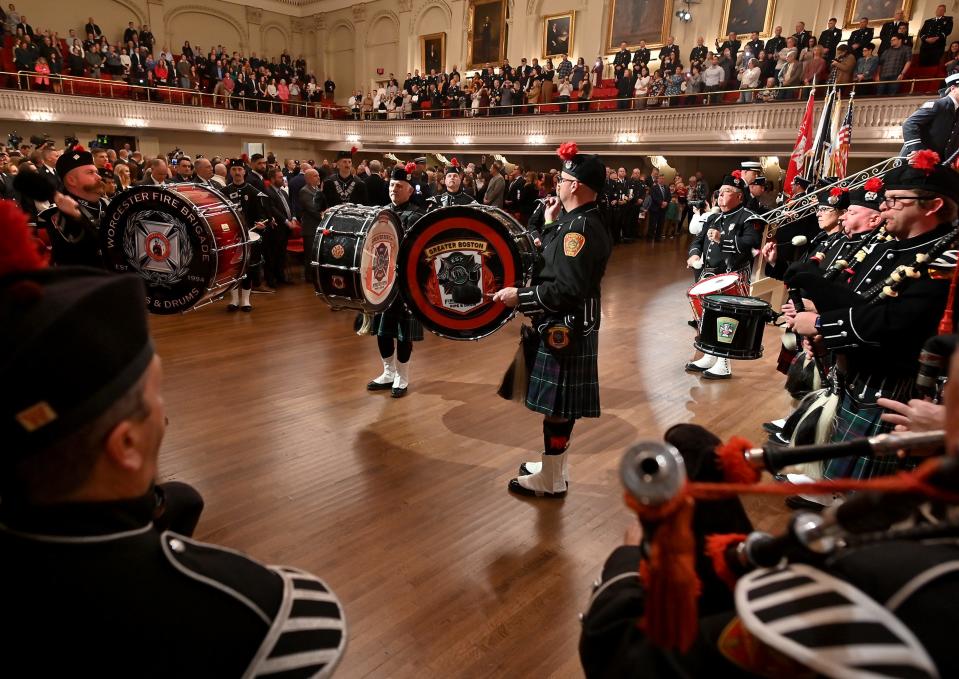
pixel 872 9
pixel 486 31
pixel 555 26
pixel 739 12
pixel 623 22
pixel 430 59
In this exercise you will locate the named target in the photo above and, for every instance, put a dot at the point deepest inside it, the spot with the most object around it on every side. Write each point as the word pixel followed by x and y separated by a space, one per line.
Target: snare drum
pixel 354 257
pixel 732 326
pixel 722 284
pixel 185 240
pixel 452 261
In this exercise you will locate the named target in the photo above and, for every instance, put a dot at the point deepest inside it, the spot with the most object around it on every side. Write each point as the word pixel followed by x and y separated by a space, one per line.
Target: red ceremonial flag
pixel 797 162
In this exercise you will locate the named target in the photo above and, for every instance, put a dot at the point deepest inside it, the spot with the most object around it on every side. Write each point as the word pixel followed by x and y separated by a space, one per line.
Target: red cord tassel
pixel 946 324
pixel 732 460
pixel 716 548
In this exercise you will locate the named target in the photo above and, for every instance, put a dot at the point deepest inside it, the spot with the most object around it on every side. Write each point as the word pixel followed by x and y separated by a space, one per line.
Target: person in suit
pixel 204 174
pixel 91 28
pixel 777 42
pixel 277 234
pixel 495 187
pixel 377 190
pixel 933 35
pixel 802 35
pixel 659 197
pixel 7 191
pixel 890 28
pixel 158 174
pixel 311 203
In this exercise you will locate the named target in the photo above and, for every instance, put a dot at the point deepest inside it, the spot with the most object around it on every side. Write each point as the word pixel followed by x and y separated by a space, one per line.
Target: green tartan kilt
pixel 397 322
pixel 859 419
pixel 566 386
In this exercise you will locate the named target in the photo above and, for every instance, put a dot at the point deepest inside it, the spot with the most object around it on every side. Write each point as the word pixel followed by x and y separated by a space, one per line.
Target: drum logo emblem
pixel 459 279
pixel 158 247
pixel 381 265
pixel 338 282
pixel 337 251
pixel 726 329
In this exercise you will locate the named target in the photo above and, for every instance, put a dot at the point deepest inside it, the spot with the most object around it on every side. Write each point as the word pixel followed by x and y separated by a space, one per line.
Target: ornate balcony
pixel 744 129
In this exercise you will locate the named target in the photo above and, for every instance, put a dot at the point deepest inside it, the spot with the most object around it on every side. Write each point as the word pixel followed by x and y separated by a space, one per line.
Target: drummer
pixel 454 194
pixel 248 201
pixel 564 302
pixel 109 181
pixel 73 222
pixel 396 328
pixel 725 245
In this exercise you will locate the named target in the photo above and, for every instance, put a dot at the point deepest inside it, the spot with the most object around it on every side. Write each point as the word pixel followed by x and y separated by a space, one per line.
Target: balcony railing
pixel 680 124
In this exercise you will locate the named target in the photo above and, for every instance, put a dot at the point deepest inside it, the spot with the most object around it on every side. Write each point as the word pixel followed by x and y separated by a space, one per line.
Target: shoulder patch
pixel 573 242
pixel 928 104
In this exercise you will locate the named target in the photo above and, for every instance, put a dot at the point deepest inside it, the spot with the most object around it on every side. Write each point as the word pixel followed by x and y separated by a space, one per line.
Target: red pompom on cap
pixel 925 160
pixel 19 252
pixel 874 185
pixel 245 158
pixel 837 191
pixel 738 174
pixel 454 162
pixel 410 167
pixel 567 150
pixel 353 150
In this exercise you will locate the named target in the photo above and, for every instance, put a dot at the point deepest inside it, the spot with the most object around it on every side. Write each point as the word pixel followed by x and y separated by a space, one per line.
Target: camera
pixel 14 140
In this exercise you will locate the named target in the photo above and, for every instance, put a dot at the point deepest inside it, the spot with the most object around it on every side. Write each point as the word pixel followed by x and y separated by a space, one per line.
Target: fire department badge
pixel 338 251
pixel 573 243
pixel 726 329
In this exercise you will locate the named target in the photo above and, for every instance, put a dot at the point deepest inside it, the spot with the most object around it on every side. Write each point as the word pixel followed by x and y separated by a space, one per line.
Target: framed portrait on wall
pixel 877 11
pixel 486 43
pixel 558 34
pixel 745 16
pixel 630 21
pixel 433 52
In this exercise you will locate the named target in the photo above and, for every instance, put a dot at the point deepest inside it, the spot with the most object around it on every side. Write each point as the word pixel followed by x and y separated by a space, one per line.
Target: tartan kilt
pixel 858 419
pixel 397 322
pixel 566 386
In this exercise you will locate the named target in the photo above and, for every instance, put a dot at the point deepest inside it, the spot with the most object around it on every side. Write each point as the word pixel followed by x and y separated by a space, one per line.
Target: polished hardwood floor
pixel 401 505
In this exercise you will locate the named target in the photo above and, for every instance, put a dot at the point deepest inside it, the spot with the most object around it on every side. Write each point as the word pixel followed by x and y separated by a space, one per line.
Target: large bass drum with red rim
pixel 452 261
pixel 186 241
pixel 354 257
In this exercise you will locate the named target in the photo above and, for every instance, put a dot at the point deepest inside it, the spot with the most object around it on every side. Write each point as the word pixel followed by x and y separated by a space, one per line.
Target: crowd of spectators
pixel 781 67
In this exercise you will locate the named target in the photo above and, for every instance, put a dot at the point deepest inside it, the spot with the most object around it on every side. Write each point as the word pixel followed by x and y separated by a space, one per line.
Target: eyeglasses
pixel 895 202
pixel 564 179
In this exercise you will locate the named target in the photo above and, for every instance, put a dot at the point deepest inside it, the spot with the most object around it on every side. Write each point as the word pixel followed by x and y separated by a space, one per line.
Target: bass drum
pixel 354 257
pixel 452 261
pixel 186 241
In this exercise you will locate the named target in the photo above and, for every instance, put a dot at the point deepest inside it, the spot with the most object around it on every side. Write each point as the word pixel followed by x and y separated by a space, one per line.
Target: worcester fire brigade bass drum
pixel 185 240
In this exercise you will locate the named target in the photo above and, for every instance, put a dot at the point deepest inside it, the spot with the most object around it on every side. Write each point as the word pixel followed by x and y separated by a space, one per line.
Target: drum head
pixel 746 303
pixel 452 261
pixel 713 284
pixel 381 248
pixel 158 234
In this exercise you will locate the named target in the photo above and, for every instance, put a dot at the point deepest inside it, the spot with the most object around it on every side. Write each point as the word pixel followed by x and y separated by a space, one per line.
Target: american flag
pixel 843 141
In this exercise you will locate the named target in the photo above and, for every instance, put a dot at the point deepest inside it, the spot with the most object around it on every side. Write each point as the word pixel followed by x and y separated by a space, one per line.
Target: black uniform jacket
pixel 741 232
pixel 568 274
pixel 881 338
pixel 96 590
pixel 409 213
pixel 74 241
pixel 932 126
pixel 446 199
pixel 249 201
pixel 336 191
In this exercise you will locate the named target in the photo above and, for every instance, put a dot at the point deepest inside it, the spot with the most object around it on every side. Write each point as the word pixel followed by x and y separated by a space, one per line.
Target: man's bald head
pixel 220 170
pixel 312 177
pixel 203 169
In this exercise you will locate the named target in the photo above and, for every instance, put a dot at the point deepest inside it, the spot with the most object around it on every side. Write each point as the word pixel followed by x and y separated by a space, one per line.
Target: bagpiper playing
pixel 563 301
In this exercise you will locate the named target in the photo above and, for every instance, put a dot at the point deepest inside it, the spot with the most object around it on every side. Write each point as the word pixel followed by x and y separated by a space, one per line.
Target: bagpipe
pixel 654 476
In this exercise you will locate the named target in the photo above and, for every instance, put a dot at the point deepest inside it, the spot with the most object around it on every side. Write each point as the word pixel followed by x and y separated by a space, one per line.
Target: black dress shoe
pixel 376 386
pixel 397 392
pixel 692 324
pixel 693 368
pixel 246 308
pixel 515 487
pixel 771 428
pixel 713 376
pixel 799 502
pixel 232 307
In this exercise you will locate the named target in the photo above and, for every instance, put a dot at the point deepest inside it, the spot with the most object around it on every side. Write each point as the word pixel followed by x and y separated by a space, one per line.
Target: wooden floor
pixel 401 505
